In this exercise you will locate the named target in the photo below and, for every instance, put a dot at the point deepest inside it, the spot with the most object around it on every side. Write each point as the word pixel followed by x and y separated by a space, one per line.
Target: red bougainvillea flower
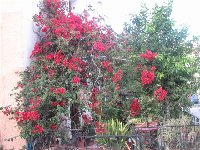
pixel 153 68
pixel 76 80
pixel 37 49
pixel 54 104
pixel 38 129
pixel 117 76
pixel 100 127
pixel 160 94
pixel 107 65
pixel 71 65
pixel 53 126
pixel 61 103
pixel 117 87
pixel 52 72
pixel 35 76
pixel 95 90
pixel 105 77
pixel 147 77
pixel 49 56
pixel 148 55
pixel 58 57
pixel 34 103
pixel 135 107
pixel 52 3
pixel 34 90
pixel 59 90
pixel 52 89
pixel 87 118
pixel 44 29
pixel 95 107
pixel 26 116
pixel 99 46
pixel 31 101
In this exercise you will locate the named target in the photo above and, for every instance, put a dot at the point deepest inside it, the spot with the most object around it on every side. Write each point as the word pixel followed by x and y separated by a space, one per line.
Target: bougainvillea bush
pixel 70 72
pixel 75 74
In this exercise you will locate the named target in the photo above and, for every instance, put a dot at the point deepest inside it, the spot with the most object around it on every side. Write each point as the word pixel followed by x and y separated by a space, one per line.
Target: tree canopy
pixel 155 30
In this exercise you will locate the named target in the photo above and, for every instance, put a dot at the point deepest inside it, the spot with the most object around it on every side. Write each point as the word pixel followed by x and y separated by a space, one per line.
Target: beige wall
pixel 16 40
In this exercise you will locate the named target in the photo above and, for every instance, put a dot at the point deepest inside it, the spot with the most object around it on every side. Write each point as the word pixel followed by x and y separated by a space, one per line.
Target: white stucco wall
pixel 30 8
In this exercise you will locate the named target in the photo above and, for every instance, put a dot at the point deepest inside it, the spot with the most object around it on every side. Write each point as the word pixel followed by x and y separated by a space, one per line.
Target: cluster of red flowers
pixel 61 104
pixel 99 46
pixel 53 126
pixel 50 56
pixel 117 76
pixel 37 49
pixel 107 65
pixel 160 94
pixel 53 4
pixel 59 90
pixel 75 23
pixel 54 104
pixel 37 129
pixel 51 73
pixel 148 55
pixel 71 23
pixel 27 116
pixel 95 91
pixel 117 87
pixel 87 119
pixel 74 63
pixel 58 58
pixel 76 80
pixel 135 107
pixel 95 107
pixel 34 104
pixel 147 77
pixel 100 127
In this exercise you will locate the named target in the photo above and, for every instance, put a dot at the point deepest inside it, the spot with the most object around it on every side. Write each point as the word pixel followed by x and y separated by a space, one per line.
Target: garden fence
pixel 149 138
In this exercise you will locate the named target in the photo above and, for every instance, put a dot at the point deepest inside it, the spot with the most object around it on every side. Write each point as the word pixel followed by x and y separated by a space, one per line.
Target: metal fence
pixel 170 137
pixel 149 138
pixel 115 142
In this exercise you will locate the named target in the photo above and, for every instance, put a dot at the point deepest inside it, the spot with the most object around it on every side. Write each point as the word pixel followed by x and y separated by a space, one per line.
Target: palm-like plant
pixel 114 129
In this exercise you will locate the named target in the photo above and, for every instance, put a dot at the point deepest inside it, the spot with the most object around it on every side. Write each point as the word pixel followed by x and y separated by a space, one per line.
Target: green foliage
pixel 155 30
pixel 108 72
pixel 173 129
pixel 114 127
